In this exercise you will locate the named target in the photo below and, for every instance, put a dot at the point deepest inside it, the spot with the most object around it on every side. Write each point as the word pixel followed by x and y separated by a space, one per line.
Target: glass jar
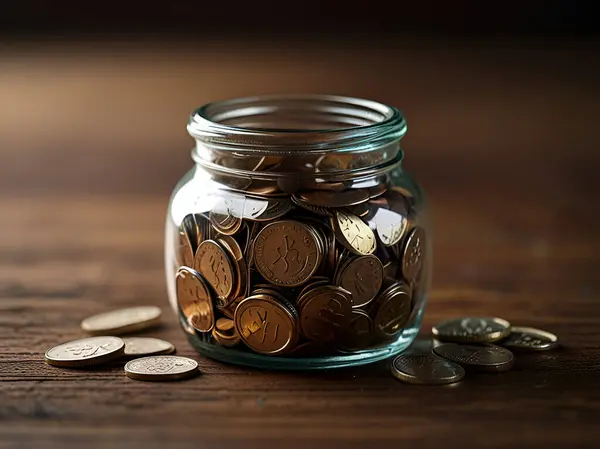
pixel 297 241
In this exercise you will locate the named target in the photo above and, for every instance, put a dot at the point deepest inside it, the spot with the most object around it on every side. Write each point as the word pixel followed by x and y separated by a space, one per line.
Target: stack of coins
pixel 334 266
pixel 146 357
pixel 476 344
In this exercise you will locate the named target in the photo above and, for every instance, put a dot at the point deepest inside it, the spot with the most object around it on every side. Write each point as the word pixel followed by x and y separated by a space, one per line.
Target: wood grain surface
pixel 504 139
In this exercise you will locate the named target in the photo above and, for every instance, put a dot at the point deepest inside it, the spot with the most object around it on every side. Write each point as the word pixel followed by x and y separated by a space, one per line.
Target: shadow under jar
pixel 297 241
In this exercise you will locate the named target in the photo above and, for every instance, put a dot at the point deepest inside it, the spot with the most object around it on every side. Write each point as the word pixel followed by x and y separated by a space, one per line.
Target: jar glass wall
pixel 297 241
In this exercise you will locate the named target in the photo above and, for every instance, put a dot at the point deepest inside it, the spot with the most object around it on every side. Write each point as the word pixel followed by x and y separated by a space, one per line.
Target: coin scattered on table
pixel 122 321
pixel 529 339
pixel 426 369
pixel 145 346
pixel 472 330
pixel 489 358
pixel 161 368
pixel 85 352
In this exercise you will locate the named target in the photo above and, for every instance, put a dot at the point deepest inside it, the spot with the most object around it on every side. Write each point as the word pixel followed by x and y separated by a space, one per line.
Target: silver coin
pixel 161 368
pixel 489 358
pixel 426 369
pixel 472 330
pixel 85 352
pixel 145 346
pixel 530 339
pixel 122 321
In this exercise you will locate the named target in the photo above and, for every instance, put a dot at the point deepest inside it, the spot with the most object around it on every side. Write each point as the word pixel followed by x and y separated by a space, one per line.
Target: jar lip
pixel 369 122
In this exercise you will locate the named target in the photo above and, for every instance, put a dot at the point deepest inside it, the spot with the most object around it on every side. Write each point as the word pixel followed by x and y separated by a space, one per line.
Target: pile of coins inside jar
pixel 313 272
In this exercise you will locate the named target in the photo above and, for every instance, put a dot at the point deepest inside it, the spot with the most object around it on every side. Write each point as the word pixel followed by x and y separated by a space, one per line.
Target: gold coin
pixel 144 346
pixel 267 326
pixel 489 358
pixel 85 352
pixel 353 233
pixel 325 198
pixel 229 309
pixel 358 334
pixel 185 253
pixel 324 312
pixel 225 333
pixel 161 368
pixel 412 256
pixel 214 264
pixel 529 339
pixel 362 277
pixel 391 311
pixel 286 253
pixel 426 369
pixel 239 264
pixel 122 321
pixel 193 297
pixel 472 330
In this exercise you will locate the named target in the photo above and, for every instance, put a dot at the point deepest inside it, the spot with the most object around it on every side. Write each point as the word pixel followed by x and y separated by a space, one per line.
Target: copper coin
pixel 354 233
pixel 286 253
pixel 185 253
pixel 324 198
pixel 85 352
pixel 413 254
pixel 391 312
pixel 472 330
pixel 225 333
pixel 267 326
pixel 488 358
pixel 426 369
pixel 529 339
pixel 319 210
pixel 265 209
pixel 193 297
pixel 240 268
pixel 215 265
pixel 191 229
pixel 362 277
pixel 358 334
pixel 324 312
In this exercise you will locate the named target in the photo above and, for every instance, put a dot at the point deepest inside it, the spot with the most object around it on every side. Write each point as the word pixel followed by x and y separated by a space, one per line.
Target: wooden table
pixel 92 145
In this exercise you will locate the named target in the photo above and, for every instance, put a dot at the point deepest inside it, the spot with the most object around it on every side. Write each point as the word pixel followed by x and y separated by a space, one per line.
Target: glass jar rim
pixel 371 124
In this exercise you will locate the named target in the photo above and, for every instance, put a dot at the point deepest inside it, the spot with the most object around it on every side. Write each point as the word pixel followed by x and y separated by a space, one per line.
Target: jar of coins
pixel 297 241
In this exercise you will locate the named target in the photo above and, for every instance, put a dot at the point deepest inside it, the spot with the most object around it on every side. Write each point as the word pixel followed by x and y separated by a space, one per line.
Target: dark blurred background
pixel 94 96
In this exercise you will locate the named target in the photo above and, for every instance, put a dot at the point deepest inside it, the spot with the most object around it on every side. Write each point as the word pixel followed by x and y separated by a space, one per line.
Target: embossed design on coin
pixel 426 369
pixel 530 339
pixel 324 312
pixel 358 334
pixel 161 368
pixel 472 329
pixel 193 297
pixel 144 346
pixel 286 253
pixel 414 252
pixel 213 263
pixel 391 311
pixel 267 326
pixel 85 352
pixel 488 358
pixel 362 277
pixel 122 321
pixel 354 234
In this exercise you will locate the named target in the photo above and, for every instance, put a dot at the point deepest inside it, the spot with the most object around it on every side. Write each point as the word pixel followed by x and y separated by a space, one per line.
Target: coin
pixel 161 368
pixel 193 297
pixel 472 330
pixel 214 264
pixel 286 253
pixel 191 229
pixel 144 346
pixel 122 321
pixel 426 369
pixel 267 326
pixel 362 277
pixel 390 226
pixel 185 253
pixel 529 339
pixel 412 256
pixel 391 311
pixel 353 233
pixel 225 223
pixel 324 198
pixel 488 358
pixel 85 352
pixel 319 210
pixel 358 334
pixel 225 333
pixel 240 268
pixel 324 312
